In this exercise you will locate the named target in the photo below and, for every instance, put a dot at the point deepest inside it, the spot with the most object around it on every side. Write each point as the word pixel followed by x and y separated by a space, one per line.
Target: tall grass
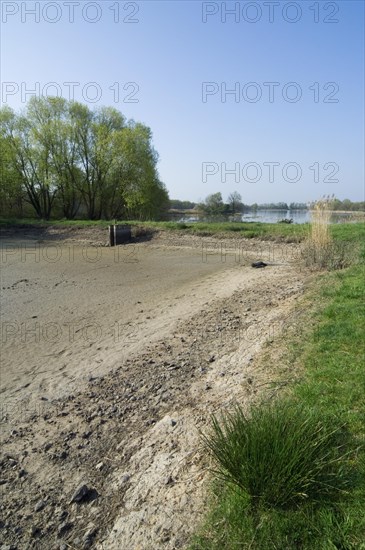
pixel 319 250
pixel 281 455
pixel 321 217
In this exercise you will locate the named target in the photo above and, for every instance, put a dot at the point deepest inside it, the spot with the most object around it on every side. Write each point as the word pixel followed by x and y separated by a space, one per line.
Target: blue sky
pixel 312 51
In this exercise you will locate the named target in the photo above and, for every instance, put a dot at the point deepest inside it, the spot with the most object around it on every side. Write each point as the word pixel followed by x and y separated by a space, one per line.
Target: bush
pixel 281 455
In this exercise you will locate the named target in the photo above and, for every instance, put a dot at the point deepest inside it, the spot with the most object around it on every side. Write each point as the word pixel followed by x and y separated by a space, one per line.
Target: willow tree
pixel 31 161
pixel 65 151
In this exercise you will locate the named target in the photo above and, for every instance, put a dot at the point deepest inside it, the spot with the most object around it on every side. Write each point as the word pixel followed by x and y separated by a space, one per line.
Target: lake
pixel 269 216
pixel 264 216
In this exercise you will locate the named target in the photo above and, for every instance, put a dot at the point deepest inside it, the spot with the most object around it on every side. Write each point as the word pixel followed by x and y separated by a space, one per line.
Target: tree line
pixel 214 205
pixel 66 160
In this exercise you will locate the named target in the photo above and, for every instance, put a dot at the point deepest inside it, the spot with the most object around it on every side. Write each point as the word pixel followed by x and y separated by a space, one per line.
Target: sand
pixel 113 359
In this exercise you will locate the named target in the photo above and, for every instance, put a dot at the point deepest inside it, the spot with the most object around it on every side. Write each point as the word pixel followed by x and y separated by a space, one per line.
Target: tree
pixel 182 205
pixel 213 205
pixel 65 154
pixel 32 161
pixel 235 202
pixel 11 190
pixel 138 190
pixel 51 120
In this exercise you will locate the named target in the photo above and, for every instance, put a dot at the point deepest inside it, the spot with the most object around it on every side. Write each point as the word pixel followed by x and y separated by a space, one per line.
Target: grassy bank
pixel 248 230
pixel 257 502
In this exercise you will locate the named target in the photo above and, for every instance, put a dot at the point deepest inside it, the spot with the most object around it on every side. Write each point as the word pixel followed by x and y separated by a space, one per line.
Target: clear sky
pixel 291 130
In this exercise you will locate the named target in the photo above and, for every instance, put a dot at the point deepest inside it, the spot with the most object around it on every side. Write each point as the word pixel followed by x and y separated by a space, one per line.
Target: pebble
pixel 89 535
pixel 83 492
pixel 168 480
pixel 64 527
pixel 62 515
pixel 39 506
pixel 34 530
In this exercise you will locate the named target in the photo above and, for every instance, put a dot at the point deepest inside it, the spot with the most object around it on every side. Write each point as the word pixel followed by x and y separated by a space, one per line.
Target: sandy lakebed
pixel 113 360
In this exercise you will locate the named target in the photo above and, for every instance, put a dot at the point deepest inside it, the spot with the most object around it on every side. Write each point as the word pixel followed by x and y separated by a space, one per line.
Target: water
pixel 273 216
pixel 263 216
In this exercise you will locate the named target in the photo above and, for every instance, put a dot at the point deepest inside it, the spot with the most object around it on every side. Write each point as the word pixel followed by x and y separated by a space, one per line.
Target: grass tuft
pixel 281 455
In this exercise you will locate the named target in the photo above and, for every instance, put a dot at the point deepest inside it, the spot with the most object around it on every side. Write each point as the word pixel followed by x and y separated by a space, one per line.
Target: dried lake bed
pixel 112 360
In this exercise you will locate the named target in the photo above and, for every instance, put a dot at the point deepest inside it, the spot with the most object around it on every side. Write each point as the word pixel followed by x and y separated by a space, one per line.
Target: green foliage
pixel 273 206
pixel 298 206
pixel 72 160
pixel 181 205
pixel 235 203
pixel 213 205
pixel 348 206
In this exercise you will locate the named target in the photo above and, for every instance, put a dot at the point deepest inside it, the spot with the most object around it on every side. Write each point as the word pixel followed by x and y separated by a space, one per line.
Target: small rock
pixel 125 478
pixel 39 506
pixel 168 480
pixel 258 264
pixel 212 359
pixel 100 466
pixel 64 528
pixel 82 493
pixel 35 530
pixel 62 515
pixel 89 535
pixel 173 422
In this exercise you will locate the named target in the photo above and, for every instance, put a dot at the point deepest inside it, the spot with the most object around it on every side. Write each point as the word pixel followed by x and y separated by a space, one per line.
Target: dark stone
pixel 84 494
pixel 64 528
pixel 258 264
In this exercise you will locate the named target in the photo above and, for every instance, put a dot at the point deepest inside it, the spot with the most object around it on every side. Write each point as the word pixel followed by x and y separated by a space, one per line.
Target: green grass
pixel 327 355
pixel 265 231
pixel 308 527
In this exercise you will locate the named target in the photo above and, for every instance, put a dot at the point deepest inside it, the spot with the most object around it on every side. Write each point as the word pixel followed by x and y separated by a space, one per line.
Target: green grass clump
pixel 281 455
